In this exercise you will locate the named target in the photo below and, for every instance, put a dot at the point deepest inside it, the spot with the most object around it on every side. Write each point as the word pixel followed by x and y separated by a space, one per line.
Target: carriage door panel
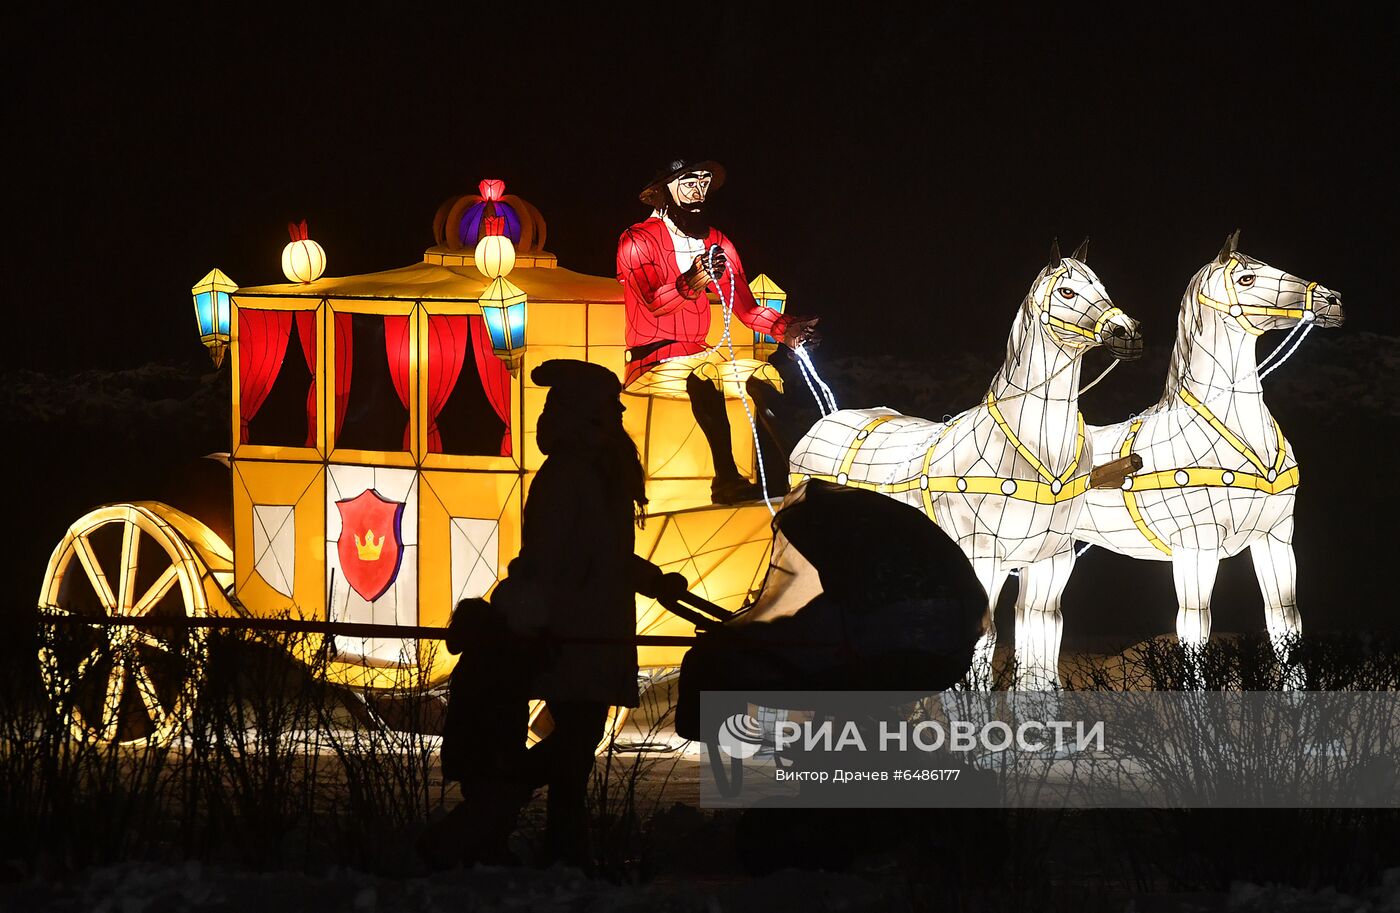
pixel 476 556
pixel 275 545
pixel 470 524
pixel 278 536
pixel 371 553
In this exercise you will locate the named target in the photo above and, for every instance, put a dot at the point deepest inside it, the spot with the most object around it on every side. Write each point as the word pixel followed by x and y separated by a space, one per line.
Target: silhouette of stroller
pixel 862 594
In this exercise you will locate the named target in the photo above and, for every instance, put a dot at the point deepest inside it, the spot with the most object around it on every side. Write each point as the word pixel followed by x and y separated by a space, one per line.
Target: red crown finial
pixel 492 189
pixel 493 226
pixel 298 232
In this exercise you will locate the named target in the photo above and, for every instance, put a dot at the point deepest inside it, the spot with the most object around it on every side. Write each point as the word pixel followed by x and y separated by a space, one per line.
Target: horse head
pixel 1253 297
pixel 1074 310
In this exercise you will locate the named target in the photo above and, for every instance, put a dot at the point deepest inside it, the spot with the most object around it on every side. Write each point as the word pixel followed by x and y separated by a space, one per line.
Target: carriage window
pixel 277 379
pixel 468 406
pixel 376 364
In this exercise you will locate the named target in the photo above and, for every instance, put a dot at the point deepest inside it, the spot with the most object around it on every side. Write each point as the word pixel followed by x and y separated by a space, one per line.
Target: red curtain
pixel 495 376
pixel 306 332
pixel 447 349
pixel 344 363
pixel 262 345
pixel 396 348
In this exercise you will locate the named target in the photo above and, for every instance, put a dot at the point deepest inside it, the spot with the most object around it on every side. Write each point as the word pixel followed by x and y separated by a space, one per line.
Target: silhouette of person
pixel 574 579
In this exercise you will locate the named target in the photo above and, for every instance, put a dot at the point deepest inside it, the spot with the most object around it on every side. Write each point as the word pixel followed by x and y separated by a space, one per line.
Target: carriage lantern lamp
pixel 503 308
pixel 767 293
pixel 211 310
pixel 503 303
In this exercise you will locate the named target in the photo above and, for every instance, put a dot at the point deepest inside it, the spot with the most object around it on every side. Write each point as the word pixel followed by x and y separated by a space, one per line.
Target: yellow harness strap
pixel 1056 481
pixel 1271 480
pixel 1049 489
pixel 1130 499
pixel 1233 439
pixel 1242 312
pixel 850 458
pixel 1042 306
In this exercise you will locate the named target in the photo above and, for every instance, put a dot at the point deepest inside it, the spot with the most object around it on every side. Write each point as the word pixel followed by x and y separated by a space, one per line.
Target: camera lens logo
pixel 740 736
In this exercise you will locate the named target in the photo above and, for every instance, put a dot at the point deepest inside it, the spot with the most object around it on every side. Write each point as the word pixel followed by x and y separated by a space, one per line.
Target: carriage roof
pixel 451 275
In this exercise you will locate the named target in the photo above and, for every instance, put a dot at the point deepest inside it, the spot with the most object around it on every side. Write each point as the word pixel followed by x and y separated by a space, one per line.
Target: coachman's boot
pixel 767 406
pixel 707 403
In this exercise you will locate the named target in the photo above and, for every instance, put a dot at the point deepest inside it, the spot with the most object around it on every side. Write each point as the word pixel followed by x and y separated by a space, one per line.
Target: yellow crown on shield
pixel 369 549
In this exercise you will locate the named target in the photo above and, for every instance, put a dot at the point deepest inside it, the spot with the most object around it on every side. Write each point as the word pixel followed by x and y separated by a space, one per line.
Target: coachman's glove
pixel 695 279
pixel 699 276
pixel 802 332
pixel 715 265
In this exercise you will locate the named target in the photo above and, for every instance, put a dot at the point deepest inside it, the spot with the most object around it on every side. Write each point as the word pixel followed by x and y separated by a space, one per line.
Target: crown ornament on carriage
pixel 502 231
pixel 462 221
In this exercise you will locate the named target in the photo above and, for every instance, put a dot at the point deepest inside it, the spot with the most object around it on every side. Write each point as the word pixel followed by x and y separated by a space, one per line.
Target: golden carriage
pixel 381 452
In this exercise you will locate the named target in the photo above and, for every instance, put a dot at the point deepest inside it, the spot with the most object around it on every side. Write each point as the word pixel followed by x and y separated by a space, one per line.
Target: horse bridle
pixel 1242 312
pixel 1049 320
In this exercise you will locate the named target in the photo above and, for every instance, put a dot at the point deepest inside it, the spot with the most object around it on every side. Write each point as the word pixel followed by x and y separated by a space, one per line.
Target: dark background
pixel 901 173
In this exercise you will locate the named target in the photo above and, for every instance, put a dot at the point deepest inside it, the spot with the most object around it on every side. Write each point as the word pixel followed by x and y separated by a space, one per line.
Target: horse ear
pixel 1081 253
pixel 1055 254
pixel 1232 244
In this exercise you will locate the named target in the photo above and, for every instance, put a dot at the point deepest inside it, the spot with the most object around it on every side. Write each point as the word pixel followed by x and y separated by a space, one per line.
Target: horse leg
pixel 1193 572
pixel 992 576
pixel 1039 623
pixel 1277 572
pixel 976 703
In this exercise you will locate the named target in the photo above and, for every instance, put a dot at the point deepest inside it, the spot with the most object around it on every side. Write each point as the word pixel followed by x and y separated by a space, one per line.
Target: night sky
pixel 901 175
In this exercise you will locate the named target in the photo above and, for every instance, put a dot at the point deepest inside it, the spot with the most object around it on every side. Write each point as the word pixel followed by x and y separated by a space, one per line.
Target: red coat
pixel 663 309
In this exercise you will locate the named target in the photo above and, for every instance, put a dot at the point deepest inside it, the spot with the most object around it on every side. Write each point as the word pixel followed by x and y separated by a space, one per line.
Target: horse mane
pixel 1023 313
pixel 1188 325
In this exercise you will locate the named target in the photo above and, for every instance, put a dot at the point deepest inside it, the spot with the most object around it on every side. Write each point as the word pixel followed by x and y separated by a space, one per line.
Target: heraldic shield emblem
pixel 370 546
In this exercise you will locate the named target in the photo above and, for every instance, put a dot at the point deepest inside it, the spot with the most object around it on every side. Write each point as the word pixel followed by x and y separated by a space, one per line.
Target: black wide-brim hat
pixel 674 169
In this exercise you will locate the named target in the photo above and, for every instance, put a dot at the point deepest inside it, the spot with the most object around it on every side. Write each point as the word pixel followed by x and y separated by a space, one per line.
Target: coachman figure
pixel 668 264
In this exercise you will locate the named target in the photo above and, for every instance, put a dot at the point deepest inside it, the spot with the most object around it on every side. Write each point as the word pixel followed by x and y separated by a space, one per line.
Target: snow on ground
pixel 1249 898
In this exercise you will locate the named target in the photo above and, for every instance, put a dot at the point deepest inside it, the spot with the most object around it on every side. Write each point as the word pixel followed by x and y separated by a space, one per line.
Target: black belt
pixel 640 352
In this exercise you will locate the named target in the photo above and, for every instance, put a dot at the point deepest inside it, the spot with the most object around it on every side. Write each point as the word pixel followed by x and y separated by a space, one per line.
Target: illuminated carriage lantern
pixel 212 306
pixel 502 304
pixel 381 448
pixel 767 293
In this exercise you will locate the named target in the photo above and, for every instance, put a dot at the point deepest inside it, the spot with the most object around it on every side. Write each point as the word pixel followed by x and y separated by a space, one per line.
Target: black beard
pixel 691 224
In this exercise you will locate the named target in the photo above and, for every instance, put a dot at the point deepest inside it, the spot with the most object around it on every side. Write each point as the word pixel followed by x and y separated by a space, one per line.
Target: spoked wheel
pixel 123 683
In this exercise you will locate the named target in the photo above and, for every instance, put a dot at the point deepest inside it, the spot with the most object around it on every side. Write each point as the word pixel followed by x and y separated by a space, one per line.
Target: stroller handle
pixel 695 609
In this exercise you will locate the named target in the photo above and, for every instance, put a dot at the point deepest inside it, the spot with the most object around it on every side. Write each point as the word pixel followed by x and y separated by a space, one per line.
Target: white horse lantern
pixel 1006 477
pixel 1218 475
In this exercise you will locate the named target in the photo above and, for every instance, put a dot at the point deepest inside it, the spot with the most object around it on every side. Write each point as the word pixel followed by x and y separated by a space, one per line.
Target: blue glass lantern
pixel 212 304
pixel 767 293
pixel 503 309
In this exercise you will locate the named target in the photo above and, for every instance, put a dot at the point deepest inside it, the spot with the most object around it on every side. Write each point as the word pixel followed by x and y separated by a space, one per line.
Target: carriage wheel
pixel 116 683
